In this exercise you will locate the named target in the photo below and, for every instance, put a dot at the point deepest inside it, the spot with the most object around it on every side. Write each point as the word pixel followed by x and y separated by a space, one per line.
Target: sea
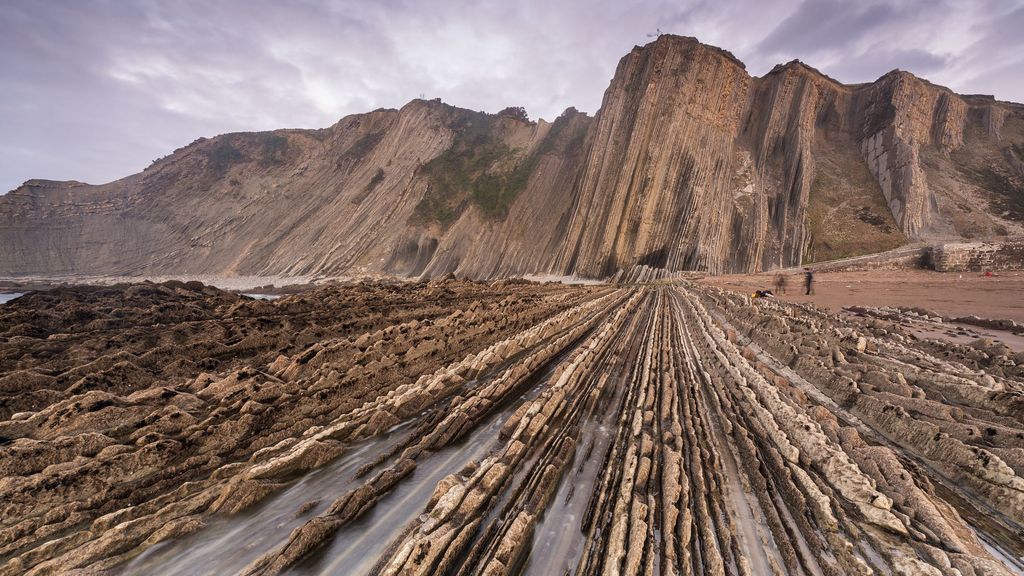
pixel 6 297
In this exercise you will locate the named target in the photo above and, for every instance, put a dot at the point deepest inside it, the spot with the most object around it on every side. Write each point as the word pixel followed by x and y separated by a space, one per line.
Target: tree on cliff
pixel 517 112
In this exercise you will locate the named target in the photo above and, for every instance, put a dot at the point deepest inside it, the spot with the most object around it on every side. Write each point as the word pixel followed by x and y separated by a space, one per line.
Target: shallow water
pixel 558 539
pixel 263 296
pixel 8 296
pixel 355 549
pixel 229 543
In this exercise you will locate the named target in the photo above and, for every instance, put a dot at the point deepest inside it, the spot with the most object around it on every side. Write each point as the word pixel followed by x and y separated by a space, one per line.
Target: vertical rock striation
pixel 690 164
pixel 655 185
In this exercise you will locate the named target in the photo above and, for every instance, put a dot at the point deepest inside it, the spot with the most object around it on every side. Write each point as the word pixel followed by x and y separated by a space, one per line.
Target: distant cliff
pixel 690 163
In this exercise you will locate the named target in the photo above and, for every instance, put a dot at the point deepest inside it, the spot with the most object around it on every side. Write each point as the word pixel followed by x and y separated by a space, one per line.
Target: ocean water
pixel 6 297
pixel 263 296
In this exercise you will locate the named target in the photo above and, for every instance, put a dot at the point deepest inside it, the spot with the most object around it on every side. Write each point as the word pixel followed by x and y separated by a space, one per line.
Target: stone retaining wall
pixel 979 256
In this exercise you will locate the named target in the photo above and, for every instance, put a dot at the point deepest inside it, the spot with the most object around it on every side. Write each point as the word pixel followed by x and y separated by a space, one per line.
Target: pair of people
pixel 780 282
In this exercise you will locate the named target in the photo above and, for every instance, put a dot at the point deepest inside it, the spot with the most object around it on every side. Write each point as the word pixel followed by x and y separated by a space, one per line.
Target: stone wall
pixel 914 256
pixel 979 256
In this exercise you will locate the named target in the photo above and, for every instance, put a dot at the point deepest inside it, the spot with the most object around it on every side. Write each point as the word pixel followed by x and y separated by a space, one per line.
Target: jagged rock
pixel 736 170
pixel 634 429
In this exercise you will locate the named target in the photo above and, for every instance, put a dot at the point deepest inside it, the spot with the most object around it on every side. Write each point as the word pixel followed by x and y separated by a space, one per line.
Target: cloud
pixel 94 90
pixel 825 24
pixel 873 64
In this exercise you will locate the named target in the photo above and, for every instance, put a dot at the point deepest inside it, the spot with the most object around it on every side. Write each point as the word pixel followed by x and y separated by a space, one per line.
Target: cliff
pixel 691 163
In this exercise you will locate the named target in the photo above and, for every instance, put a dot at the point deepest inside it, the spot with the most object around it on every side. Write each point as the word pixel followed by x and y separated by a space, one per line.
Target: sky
pixel 95 90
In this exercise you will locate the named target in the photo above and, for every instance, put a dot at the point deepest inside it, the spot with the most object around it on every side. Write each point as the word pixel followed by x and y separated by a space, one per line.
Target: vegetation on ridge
pixel 268 148
pixel 472 169
pixel 480 169
pixel 847 214
pixel 359 150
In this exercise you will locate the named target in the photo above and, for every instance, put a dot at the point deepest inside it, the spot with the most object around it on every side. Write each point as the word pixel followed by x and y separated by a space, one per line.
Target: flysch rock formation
pixel 451 427
pixel 690 164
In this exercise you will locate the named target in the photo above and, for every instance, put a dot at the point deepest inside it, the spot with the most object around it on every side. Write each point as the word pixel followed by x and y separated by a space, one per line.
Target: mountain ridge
pixel 690 163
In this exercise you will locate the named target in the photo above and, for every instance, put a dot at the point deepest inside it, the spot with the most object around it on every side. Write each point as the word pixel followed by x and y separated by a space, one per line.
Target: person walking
pixel 780 283
pixel 808 281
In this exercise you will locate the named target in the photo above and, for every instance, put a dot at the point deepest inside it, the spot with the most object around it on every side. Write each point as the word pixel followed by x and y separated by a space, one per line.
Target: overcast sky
pixel 95 90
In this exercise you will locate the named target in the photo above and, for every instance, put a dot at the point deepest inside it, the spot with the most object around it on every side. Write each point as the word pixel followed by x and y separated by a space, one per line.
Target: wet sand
pixel 964 333
pixel 947 293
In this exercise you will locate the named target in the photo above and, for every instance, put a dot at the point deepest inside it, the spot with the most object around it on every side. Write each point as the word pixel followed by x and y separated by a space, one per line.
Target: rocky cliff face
pixel 691 163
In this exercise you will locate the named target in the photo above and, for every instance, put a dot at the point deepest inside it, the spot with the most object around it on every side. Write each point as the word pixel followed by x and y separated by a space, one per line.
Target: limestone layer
pixel 452 427
pixel 690 164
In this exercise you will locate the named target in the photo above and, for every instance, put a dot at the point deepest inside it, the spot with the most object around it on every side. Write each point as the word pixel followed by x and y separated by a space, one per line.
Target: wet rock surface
pixel 512 428
pixel 199 401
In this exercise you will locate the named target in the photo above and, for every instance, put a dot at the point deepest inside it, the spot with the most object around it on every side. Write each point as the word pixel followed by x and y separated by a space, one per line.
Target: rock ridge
pixel 691 163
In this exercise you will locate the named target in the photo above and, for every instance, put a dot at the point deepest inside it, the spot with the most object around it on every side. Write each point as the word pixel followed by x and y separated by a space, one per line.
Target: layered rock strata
pixel 93 473
pixel 690 164
pixel 670 428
